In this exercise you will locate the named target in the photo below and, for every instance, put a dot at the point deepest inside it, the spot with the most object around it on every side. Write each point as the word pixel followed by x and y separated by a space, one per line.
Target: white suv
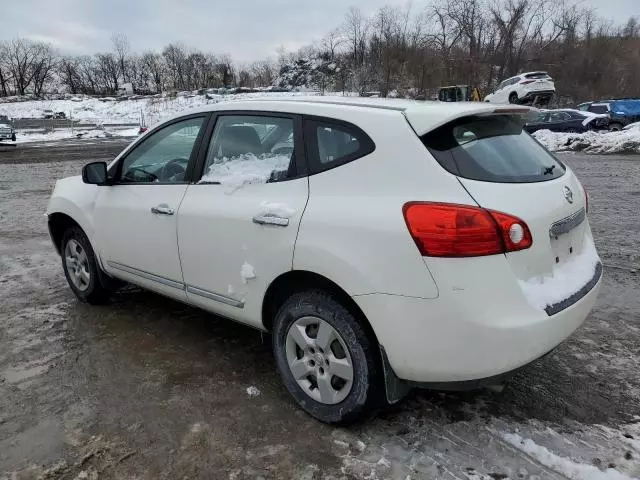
pixel 535 88
pixel 384 244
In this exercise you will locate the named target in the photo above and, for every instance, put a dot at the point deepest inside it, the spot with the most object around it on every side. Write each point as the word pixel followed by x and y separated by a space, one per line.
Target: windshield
pixel 492 149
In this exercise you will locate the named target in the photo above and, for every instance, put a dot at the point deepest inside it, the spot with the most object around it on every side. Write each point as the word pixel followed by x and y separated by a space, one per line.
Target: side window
pixel 559 117
pixel 162 157
pixel 333 144
pixel 250 149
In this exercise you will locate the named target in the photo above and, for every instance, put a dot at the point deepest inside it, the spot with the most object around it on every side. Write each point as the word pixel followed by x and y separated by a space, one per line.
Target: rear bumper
pixel 481 328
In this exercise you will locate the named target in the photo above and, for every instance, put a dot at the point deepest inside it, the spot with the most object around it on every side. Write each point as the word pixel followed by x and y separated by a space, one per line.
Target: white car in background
pixel 535 88
pixel 384 244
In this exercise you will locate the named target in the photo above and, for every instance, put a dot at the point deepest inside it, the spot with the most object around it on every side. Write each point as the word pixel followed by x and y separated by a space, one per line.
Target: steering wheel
pixel 174 168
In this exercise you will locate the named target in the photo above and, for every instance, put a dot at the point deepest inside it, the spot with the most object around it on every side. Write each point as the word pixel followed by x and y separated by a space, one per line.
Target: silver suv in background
pixel 7 132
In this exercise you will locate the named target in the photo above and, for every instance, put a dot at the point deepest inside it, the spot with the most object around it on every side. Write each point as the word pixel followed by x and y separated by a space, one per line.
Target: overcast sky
pixel 247 29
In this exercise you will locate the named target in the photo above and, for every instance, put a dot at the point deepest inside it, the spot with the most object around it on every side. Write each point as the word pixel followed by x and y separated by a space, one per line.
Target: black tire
pixel 513 98
pixel 99 287
pixel 615 127
pixel 572 130
pixel 13 137
pixel 367 389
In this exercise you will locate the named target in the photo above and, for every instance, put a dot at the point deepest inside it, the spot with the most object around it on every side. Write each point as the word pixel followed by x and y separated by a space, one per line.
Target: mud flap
pixel 395 389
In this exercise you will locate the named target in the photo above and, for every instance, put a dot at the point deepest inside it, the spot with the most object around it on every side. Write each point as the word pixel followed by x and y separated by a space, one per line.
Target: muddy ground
pixel 148 388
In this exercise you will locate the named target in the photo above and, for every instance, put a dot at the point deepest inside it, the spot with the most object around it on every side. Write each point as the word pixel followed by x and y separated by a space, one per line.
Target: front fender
pixel 76 199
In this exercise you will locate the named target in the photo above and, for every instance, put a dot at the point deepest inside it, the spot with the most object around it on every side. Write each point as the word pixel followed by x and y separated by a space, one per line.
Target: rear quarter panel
pixel 353 230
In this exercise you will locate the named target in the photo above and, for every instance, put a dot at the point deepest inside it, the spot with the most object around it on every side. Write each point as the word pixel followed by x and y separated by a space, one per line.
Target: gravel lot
pixel 148 388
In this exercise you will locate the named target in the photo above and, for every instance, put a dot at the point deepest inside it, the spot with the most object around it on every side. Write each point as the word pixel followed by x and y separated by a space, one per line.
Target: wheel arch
pixel 59 223
pixel 288 283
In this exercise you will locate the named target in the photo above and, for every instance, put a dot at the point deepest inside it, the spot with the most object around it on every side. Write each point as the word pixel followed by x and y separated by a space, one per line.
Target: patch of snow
pixel 562 465
pixel 564 280
pixel 624 141
pixel 230 290
pixel 253 391
pixel 245 169
pixel 27 136
pixel 632 126
pixel 247 272
pixel 276 209
pixel 360 445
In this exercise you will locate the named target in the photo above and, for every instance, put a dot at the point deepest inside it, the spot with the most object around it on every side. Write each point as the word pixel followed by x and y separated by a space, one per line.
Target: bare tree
pixel 121 48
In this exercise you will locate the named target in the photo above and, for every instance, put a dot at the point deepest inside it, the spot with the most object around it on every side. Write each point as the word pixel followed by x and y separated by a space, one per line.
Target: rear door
pixel 237 225
pixel 504 169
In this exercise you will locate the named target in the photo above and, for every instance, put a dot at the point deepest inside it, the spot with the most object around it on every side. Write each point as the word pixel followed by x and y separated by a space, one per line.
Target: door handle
pixel 162 209
pixel 271 220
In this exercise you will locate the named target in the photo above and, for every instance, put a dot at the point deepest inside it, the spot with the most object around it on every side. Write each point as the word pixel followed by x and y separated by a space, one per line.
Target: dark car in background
pixel 570 121
pixel 622 111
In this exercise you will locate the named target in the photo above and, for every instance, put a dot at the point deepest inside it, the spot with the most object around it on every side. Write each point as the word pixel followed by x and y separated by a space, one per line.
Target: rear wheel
pixel 325 358
pixel 81 268
pixel 615 127
pixel 513 98
pixel 572 130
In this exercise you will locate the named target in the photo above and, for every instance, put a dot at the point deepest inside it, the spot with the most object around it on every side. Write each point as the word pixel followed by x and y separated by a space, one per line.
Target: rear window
pixel 492 149
pixel 599 108
pixel 538 76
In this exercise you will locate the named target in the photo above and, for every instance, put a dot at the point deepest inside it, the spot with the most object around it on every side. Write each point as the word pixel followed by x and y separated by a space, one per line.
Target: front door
pixel 136 218
pixel 237 226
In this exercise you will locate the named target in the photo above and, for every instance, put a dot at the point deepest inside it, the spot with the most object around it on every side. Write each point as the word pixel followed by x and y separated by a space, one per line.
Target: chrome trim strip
pixel 146 275
pixel 567 224
pixel 215 296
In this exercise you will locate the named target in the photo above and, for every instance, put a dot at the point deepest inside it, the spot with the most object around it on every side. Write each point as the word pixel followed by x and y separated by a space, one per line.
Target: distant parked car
pixel 7 131
pixel 570 121
pixel 622 112
pixel 527 88
pixel 458 93
pixel 50 114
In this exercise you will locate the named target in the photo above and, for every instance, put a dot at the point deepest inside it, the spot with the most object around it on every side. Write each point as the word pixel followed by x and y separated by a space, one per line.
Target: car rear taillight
pixel 451 230
pixel 525 82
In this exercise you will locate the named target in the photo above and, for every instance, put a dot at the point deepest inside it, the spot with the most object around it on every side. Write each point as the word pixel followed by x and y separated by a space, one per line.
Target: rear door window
pixel 331 144
pixel 492 149
pixel 599 108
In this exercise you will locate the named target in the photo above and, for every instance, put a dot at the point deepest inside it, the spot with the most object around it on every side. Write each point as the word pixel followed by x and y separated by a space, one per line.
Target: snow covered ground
pixel 625 141
pixel 95 111
pixel 27 136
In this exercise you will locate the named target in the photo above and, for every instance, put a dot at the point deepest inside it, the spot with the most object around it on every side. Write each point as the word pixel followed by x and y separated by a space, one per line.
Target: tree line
pixel 407 51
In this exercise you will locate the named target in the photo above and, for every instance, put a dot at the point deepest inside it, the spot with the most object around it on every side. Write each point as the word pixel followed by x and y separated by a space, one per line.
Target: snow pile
pixel 625 141
pixel 562 465
pixel 253 391
pixel 564 281
pixel 26 136
pixel 246 169
pixel 247 272
pixel 93 110
pixel 273 209
pixel 632 126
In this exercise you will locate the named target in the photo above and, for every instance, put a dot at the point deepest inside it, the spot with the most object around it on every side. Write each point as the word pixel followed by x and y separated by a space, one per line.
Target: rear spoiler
pixel 426 119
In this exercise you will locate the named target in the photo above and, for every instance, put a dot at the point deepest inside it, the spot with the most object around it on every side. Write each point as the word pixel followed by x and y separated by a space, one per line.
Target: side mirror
pixel 95 173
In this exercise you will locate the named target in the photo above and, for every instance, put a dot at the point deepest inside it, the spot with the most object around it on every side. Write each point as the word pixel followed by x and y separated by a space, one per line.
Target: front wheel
pixel 615 127
pixel 326 359
pixel 81 268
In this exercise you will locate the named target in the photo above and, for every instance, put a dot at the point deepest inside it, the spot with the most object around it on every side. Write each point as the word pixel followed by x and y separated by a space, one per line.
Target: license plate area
pixel 566 237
